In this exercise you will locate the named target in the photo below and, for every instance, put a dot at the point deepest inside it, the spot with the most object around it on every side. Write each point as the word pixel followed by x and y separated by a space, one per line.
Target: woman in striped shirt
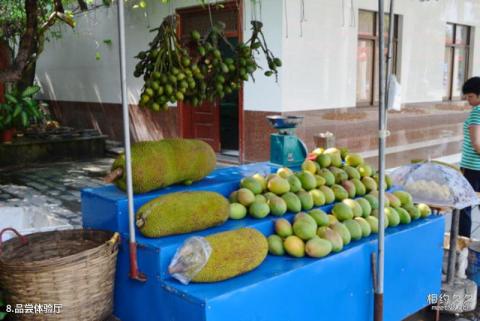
pixel 470 163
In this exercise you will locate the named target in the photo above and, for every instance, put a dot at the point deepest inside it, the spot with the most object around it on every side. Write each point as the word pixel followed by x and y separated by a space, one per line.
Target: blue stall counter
pixel 337 287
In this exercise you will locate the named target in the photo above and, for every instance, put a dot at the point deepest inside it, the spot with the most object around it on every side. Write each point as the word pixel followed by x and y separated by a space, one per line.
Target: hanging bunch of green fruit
pixel 197 70
pixel 257 42
pixel 166 68
pixel 221 74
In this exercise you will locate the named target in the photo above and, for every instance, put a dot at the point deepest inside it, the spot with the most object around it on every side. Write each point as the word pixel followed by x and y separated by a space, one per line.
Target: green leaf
pixel 17 111
pixel 3 315
pixel 142 4
pixel 108 42
pixel 11 99
pixel 30 91
pixel 98 55
pixel 24 119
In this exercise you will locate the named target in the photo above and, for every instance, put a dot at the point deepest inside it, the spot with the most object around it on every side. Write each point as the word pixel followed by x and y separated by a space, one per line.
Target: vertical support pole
pixel 452 253
pixel 378 305
pixel 134 272
pixel 389 63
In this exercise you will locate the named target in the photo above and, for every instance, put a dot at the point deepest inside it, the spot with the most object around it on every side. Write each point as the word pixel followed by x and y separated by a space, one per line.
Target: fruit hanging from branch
pixel 196 71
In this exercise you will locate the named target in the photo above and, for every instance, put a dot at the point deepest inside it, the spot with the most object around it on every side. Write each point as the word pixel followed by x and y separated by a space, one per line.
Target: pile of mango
pixel 333 177
pixel 317 234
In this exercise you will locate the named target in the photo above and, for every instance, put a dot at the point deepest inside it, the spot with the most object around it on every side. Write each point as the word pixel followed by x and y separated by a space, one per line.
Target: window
pixel 455 68
pixel 367 55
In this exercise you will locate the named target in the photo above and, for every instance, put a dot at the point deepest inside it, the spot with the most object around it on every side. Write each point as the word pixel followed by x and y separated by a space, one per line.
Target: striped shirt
pixel 470 158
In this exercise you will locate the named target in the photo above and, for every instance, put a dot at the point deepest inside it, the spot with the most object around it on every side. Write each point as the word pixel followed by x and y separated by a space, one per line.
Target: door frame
pixel 183 120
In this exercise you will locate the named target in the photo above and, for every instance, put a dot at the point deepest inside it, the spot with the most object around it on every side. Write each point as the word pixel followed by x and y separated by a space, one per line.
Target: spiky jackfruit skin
pixel 182 212
pixel 157 164
pixel 233 253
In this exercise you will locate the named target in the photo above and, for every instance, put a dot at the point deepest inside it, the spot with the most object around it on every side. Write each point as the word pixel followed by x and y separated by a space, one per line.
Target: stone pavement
pixel 54 188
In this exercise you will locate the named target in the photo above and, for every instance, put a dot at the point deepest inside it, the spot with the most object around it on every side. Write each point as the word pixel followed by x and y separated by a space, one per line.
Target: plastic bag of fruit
pixel 435 184
pixel 190 259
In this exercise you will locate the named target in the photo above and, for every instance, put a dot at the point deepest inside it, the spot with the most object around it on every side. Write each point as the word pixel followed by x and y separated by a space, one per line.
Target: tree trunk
pixel 4 64
pixel 28 76
pixel 27 42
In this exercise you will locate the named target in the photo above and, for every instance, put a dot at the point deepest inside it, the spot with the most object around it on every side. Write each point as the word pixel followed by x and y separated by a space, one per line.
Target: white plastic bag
pixel 190 259
pixel 394 94
pixel 435 184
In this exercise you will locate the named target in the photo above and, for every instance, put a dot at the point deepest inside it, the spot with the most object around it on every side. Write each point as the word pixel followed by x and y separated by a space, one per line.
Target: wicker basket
pixel 64 275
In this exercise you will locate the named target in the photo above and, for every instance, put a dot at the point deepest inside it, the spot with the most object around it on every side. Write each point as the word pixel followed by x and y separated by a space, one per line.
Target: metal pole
pixel 378 310
pixel 134 273
pixel 389 63
pixel 452 253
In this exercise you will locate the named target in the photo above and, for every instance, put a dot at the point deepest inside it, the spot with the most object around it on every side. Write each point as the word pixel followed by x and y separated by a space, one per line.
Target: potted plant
pixel 18 112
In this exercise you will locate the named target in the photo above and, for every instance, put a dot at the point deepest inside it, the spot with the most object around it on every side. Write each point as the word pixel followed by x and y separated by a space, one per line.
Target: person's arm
pixel 475 137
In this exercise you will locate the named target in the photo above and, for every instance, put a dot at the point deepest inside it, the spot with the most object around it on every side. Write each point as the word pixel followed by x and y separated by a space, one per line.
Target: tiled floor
pixel 54 188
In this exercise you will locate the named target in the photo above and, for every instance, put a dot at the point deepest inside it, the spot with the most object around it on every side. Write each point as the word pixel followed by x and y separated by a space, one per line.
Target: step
pixel 337 287
pixel 113 203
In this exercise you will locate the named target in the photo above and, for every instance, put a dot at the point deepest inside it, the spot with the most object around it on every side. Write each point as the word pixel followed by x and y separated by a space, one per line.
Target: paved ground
pixel 55 190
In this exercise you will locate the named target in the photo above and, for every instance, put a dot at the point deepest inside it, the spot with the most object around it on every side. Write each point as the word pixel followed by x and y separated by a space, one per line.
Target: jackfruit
pixel 182 212
pixel 233 253
pixel 157 164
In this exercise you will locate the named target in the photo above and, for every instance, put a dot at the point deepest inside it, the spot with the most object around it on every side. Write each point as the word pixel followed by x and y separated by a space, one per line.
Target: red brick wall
pixel 420 124
pixel 108 119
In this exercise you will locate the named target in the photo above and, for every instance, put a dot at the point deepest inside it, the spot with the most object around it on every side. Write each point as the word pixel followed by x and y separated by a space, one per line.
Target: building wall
pixel 320 63
pixel 318 74
pixel 68 70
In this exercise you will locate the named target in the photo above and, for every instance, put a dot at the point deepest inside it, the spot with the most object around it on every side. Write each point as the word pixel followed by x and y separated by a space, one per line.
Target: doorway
pixel 217 123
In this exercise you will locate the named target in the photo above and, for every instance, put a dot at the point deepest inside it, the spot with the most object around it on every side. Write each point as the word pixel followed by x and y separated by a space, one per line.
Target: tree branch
pixel 83 5
pixel 52 19
pixel 59 6
pixel 25 48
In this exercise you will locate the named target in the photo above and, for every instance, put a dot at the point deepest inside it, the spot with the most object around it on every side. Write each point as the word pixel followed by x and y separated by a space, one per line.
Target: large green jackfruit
pixel 157 164
pixel 182 212
pixel 233 253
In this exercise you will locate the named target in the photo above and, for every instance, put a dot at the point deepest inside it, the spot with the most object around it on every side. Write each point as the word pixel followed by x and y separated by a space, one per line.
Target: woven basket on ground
pixel 64 275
